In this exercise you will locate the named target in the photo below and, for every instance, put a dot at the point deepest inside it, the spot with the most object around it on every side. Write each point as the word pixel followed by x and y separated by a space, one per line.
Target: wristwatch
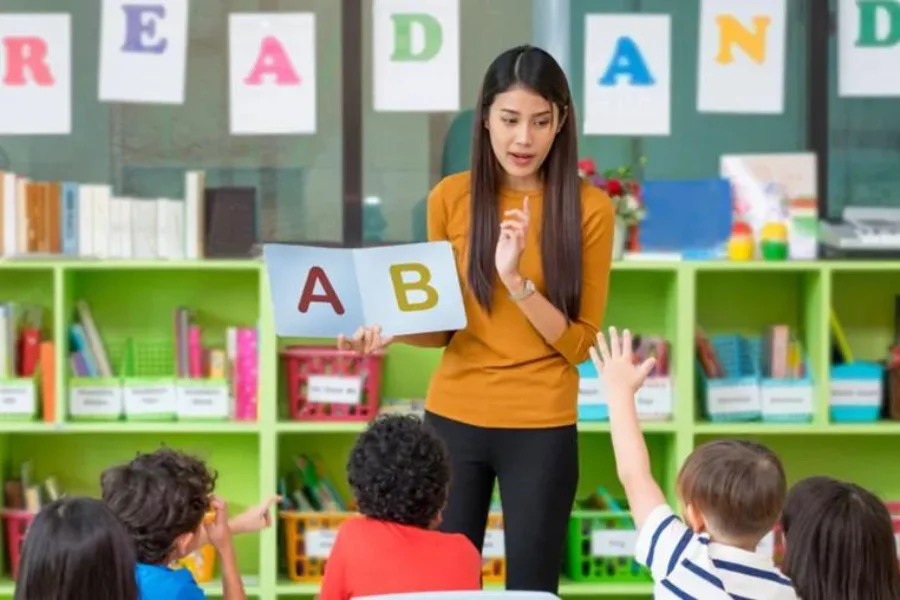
pixel 526 291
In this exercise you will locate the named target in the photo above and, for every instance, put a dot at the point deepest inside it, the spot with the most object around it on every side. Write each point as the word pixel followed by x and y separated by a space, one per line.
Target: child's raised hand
pixel 615 363
pixel 256 517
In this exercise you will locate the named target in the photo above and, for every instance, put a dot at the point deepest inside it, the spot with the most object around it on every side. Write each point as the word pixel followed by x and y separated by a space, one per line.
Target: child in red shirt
pixel 400 475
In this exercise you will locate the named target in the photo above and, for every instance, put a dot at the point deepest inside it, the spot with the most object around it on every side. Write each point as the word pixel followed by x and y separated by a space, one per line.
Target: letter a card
pixel 411 288
pixel 314 290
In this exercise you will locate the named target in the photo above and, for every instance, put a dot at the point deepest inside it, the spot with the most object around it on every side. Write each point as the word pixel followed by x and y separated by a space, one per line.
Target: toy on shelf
pixel 26 364
pixel 22 500
pixel 601 542
pixel 327 384
pixel 856 387
pixel 740 245
pixel 655 398
pixel 764 377
pixel 158 380
pixel 773 243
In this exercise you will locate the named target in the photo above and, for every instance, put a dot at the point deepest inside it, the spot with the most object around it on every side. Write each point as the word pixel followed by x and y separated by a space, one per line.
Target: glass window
pixel 863 144
pixel 144 150
pixel 696 140
pixel 405 154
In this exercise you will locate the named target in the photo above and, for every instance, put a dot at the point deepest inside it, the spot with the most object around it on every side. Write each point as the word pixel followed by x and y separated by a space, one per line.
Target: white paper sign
pixel 272 73
pixel 35 74
pixel 318 542
pixel 742 56
pixel 143 51
pixel 18 397
pixel 416 55
pixel 494 544
pixel 334 389
pixel 613 542
pixel 786 399
pixel 203 401
pixel 731 399
pixel 868 48
pixel 96 401
pixel 855 392
pixel 149 399
pixel 627 79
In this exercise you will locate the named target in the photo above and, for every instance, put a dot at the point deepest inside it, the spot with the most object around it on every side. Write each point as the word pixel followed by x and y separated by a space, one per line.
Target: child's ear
pixel 185 544
pixel 694 519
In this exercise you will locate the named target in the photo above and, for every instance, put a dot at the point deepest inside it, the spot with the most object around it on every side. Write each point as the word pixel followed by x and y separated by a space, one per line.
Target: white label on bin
pixel 590 391
pixel 494 544
pixel 729 399
pixel 207 400
pixel 613 542
pixel 787 399
pixel 149 399
pixel 334 389
pixel 856 392
pixel 654 397
pixel 318 542
pixel 766 546
pixel 17 397
pixel 95 401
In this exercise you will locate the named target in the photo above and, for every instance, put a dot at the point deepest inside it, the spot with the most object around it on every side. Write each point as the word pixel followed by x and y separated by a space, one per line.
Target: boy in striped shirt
pixel 731 492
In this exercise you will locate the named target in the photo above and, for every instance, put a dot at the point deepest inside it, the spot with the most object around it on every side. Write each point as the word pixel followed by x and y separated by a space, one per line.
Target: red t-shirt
pixel 371 557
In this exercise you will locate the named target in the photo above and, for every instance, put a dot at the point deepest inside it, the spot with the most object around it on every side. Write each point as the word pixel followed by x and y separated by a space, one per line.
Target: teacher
pixel 535 243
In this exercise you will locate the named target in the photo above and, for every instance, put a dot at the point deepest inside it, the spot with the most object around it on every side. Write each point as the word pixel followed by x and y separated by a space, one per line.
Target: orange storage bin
pixel 201 563
pixel 493 563
pixel 15 525
pixel 308 538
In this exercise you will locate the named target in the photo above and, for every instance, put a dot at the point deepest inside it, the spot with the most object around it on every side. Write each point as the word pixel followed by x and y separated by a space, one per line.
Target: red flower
pixel 587 167
pixel 614 187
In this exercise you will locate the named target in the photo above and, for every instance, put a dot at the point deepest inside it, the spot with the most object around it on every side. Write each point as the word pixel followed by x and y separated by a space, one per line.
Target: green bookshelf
pixel 136 299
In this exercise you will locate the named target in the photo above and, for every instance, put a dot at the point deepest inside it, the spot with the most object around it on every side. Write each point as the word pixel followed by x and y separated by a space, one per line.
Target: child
pixel 75 549
pixel 399 473
pixel 732 493
pixel 839 542
pixel 162 498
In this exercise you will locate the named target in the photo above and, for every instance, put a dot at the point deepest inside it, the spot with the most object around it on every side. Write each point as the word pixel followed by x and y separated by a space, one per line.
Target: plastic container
pixel 15 525
pixel 785 400
pixel 201 563
pixel 856 392
pixel 736 396
pixel 308 538
pixel 493 553
pixel 326 384
pixel 600 548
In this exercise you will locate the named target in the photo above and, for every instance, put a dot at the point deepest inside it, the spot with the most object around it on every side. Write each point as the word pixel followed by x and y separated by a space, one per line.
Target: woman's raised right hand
pixel 366 340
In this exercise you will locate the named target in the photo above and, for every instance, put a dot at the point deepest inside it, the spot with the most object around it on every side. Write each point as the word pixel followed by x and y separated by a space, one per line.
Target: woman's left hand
pixel 511 243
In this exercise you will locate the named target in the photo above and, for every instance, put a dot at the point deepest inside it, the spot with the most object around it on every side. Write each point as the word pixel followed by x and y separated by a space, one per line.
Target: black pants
pixel 538 473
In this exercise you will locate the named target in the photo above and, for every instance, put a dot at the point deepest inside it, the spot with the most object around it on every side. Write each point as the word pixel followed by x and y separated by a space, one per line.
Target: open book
pixel 324 292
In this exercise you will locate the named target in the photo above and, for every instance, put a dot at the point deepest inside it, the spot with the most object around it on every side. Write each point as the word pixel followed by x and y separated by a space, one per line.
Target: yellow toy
pixel 774 241
pixel 740 245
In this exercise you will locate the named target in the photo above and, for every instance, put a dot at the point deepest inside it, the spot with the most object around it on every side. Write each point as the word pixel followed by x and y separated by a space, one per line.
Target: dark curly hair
pixel 158 497
pixel 399 471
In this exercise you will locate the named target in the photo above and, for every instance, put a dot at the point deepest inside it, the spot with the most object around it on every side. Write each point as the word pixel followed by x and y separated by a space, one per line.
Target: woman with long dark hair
pixel 533 245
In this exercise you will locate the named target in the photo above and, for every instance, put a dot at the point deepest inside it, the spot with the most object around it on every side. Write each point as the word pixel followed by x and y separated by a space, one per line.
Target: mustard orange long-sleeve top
pixel 499 371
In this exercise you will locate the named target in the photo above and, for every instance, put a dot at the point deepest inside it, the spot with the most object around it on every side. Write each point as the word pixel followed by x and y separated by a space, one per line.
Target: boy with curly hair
pixel 731 491
pixel 400 476
pixel 163 498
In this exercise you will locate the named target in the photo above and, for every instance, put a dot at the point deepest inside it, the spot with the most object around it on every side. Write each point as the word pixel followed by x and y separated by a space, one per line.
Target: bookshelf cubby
pixel 136 299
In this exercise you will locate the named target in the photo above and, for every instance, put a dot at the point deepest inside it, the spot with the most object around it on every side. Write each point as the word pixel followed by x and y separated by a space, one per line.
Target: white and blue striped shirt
pixel 687 566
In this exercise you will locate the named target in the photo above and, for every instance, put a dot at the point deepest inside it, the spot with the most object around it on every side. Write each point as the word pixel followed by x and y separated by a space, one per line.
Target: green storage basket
pixel 601 548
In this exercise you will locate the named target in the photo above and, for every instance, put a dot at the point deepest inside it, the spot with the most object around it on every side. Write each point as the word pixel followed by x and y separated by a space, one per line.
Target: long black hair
pixel 535 70
pixel 839 542
pixel 75 549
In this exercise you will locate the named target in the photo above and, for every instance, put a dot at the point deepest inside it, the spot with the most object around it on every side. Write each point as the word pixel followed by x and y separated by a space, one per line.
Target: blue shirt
pixel 158 582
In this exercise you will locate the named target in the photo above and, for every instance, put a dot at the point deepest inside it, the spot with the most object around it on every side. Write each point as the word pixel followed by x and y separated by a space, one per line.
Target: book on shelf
pixel 78 220
pixel 23 493
pixel 235 362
